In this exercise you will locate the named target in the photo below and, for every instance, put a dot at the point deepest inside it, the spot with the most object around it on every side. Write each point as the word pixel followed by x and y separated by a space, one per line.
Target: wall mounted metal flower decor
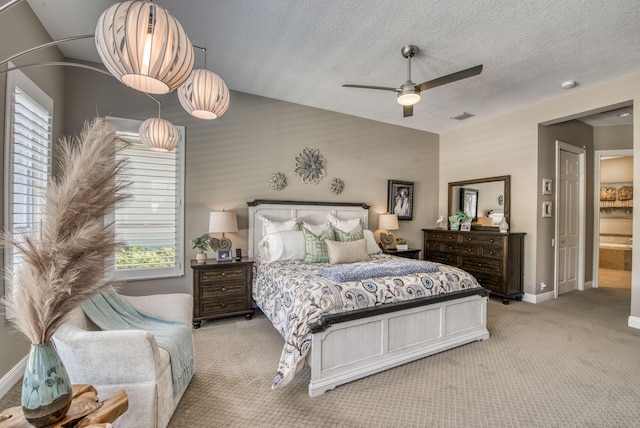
pixel 310 166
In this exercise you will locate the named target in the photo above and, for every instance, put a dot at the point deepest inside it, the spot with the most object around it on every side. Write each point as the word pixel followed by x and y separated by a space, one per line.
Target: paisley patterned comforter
pixel 291 295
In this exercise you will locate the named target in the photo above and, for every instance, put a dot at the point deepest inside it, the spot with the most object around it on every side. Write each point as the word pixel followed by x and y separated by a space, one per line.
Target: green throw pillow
pixel 355 235
pixel 315 248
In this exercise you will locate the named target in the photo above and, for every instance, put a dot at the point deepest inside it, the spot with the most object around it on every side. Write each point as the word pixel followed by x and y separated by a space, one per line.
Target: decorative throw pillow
pixel 347 252
pixel 278 246
pixel 343 225
pixel 274 226
pixel 355 235
pixel 372 245
pixel 315 246
pixel 316 229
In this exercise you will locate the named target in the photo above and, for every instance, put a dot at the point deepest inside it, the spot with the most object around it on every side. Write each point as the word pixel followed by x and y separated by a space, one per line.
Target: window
pixel 28 146
pixel 150 223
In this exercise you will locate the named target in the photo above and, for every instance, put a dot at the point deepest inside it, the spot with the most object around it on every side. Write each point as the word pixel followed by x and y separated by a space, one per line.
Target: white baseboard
pixel 12 376
pixel 538 298
pixel 634 322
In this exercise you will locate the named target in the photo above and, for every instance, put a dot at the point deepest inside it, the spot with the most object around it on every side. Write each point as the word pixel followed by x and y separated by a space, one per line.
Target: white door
pixel 568 222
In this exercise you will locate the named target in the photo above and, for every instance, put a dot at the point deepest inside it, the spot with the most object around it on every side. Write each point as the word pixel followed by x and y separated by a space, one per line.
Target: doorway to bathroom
pixel 614 234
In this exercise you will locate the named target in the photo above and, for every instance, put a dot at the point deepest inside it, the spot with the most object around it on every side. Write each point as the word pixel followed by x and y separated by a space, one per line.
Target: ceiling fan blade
pixel 407 111
pixel 450 78
pixel 384 88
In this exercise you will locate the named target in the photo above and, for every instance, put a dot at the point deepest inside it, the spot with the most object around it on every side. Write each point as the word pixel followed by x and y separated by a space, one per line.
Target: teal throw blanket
pixel 109 312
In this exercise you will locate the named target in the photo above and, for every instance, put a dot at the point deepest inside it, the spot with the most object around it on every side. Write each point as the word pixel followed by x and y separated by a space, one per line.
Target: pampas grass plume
pixel 66 262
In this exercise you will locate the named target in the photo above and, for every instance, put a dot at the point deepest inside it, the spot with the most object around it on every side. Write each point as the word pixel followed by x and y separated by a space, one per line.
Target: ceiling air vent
pixel 461 116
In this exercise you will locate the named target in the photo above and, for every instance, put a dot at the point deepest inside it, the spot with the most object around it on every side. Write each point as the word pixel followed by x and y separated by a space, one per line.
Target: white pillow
pixel 347 252
pixel 274 226
pixel 288 245
pixel 344 225
pixel 372 245
pixel 316 229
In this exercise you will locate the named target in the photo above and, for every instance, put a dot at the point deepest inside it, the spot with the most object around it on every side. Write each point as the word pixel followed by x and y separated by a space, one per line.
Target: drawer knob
pixel 223 305
pixel 469 249
pixel 491 240
pixel 450 247
pixel 479 264
pixel 223 274
pixel 450 238
pixel 223 289
pixel 468 238
pixel 491 252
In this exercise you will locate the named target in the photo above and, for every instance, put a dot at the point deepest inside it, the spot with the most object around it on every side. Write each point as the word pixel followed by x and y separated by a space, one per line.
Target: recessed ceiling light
pixel 625 114
pixel 568 84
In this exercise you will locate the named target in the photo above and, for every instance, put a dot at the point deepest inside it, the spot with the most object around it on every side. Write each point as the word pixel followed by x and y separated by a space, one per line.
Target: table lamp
pixel 222 222
pixel 387 222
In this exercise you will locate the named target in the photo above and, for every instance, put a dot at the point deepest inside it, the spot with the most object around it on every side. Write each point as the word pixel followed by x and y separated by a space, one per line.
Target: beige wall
pixel 230 160
pixel 613 137
pixel 616 170
pixel 20 30
pixel 507 145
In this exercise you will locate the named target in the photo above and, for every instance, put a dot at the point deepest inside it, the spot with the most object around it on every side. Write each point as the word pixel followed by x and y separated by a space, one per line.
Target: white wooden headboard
pixel 310 212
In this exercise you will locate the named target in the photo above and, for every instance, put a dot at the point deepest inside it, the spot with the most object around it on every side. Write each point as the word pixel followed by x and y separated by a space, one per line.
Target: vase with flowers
pixel 64 262
pixel 402 244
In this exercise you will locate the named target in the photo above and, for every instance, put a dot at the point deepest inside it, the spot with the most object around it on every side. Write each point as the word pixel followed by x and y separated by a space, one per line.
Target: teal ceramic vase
pixel 46 388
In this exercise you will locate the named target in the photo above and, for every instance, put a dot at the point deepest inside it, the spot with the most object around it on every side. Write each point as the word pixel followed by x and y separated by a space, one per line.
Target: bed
pixel 354 327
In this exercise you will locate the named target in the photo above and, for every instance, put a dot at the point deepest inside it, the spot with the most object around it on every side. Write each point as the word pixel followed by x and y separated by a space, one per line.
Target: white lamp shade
pixel 388 222
pixel 222 221
pixel 158 134
pixel 144 46
pixel 204 95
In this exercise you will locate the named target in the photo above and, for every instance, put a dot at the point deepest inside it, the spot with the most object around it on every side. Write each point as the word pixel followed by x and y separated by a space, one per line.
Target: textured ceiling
pixel 302 51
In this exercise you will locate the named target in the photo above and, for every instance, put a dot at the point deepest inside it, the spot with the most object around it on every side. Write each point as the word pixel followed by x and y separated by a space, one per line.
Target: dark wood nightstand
pixel 411 253
pixel 221 289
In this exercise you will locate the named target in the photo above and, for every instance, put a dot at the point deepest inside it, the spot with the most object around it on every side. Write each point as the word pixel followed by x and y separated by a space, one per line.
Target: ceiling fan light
pixel 158 134
pixel 204 95
pixel 408 98
pixel 144 46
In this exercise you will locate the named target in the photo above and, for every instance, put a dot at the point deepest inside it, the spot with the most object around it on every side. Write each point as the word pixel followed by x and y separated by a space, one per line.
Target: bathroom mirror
pixel 486 200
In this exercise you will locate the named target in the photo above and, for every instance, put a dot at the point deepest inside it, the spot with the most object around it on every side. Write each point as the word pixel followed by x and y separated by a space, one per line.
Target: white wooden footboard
pixel 353 349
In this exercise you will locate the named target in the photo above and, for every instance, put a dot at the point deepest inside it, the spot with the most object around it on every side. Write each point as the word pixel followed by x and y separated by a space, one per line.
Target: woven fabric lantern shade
pixel 144 46
pixel 204 95
pixel 158 134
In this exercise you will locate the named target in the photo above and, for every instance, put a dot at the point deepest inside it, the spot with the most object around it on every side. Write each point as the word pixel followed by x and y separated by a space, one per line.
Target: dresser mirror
pixel 485 200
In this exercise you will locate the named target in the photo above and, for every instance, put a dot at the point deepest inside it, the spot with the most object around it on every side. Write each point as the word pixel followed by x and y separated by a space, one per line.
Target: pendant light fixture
pixel 158 134
pixel 144 46
pixel 204 95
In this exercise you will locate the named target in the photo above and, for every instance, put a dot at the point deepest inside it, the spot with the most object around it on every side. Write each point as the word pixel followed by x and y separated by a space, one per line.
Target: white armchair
pixel 126 359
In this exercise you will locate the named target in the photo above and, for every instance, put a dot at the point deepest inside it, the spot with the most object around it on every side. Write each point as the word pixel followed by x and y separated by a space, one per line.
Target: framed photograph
pixel 546 186
pixel 224 256
pixel 400 199
pixel 546 209
pixel 465 227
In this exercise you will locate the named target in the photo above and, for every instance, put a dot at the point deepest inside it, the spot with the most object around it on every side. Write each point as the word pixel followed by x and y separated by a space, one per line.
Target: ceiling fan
pixel 409 92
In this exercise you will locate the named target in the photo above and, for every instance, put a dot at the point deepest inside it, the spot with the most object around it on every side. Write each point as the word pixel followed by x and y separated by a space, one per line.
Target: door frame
pixel 581 152
pixel 597 158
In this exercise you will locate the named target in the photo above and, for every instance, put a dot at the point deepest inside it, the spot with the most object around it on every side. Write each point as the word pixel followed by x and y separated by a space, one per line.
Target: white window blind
pixel 28 157
pixel 150 222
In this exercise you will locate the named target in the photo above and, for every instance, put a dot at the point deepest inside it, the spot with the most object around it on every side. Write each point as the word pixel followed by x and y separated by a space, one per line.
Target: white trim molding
pixel 634 322
pixel 538 298
pixel 13 376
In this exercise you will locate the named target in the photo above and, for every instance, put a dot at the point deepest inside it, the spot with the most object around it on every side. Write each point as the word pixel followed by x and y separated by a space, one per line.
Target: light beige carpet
pixel 571 362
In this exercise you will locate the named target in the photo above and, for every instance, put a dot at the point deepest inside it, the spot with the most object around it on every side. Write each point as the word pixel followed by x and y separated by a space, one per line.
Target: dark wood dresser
pixel 221 289
pixel 495 259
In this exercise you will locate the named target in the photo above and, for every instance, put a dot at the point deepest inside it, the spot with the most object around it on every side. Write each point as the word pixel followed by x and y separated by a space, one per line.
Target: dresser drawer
pixel 221 291
pixel 442 236
pixel 492 282
pixel 462 250
pixel 475 265
pixel 228 274
pixel 223 306
pixel 493 252
pixel 447 259
pixel 481 239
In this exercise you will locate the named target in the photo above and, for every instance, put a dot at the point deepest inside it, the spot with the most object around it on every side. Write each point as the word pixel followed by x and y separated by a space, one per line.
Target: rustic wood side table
pixel 85 410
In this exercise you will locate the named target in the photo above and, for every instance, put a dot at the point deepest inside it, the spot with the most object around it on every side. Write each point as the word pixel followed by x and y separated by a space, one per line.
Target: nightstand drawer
pixel 228 274
pixel 221 291
pixel 223 306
